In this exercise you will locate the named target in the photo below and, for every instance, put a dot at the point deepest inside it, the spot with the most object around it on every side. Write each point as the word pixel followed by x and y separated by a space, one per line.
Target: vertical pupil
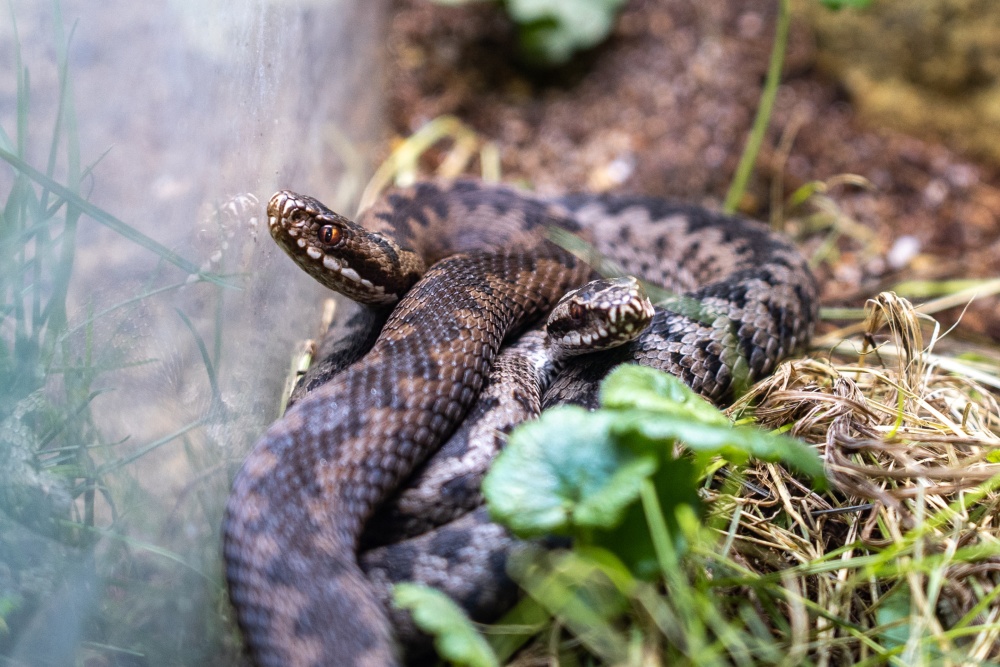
pixel 326 234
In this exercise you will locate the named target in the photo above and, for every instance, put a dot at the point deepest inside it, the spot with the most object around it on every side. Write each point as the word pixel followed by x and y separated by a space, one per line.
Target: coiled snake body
pixel 302 498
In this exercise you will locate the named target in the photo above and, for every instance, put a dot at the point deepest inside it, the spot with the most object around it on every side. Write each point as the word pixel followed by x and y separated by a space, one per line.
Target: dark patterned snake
pixel 601 315
pixel 302 500
pixel 425 532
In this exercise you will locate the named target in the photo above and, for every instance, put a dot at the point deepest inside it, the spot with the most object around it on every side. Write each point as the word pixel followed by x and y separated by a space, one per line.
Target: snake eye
pixel 576 311
pixel 329 235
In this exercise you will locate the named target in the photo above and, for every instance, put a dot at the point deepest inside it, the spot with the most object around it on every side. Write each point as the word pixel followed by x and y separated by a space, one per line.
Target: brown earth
pixel 665 106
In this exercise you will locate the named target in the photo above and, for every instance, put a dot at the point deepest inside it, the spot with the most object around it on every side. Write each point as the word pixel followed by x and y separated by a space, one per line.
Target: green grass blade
pixel 107 219
pixel 205 358
pixel 150 447
pixel 763 118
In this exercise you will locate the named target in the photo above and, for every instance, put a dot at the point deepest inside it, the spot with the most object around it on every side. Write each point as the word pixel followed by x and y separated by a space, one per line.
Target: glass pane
pixel 148 324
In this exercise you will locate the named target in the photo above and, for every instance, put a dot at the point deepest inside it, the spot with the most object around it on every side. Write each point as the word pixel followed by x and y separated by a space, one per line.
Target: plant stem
pixel 763 118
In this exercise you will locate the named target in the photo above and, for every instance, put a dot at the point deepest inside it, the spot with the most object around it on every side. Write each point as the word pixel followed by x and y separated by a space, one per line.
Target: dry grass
pixel 910 435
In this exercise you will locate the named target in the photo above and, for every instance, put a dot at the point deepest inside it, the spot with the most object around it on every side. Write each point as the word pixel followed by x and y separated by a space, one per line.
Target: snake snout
pixel 602 314
pixel 277 204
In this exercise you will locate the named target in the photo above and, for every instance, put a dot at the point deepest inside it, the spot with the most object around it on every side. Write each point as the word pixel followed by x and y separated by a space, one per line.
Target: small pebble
pixel 903 251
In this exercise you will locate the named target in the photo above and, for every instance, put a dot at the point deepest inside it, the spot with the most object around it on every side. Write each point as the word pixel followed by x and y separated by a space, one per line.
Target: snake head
pixel 364 266
pixel 602 314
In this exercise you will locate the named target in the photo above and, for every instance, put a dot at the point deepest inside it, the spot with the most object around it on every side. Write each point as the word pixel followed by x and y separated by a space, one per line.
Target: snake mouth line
pixel 576 338
pixel 339 266
pixel 322 262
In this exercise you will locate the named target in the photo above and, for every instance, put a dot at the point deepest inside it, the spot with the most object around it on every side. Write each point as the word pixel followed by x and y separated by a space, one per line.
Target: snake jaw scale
pixel 351 275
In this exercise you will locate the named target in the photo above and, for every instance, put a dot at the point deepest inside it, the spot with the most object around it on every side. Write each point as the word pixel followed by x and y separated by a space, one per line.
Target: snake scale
pixel 302 499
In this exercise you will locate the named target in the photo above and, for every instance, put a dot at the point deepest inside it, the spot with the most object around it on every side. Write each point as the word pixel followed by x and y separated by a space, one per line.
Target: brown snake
pixel 601 315
pixel 424 532
pixel 304 495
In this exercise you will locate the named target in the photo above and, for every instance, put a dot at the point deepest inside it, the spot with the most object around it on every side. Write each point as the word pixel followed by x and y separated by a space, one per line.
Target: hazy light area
pixel 122 422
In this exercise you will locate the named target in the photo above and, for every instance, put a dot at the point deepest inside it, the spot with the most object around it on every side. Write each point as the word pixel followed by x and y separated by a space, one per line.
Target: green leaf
pixel 564 474
pixel 653 410
pixel 552 30
pixel 9 603
pixel 895 617
pixel 517 627
pixel 106 218
pixel 894 611
pixel 645 430
pixel 633 386
pixel 676 485
pixel 455 639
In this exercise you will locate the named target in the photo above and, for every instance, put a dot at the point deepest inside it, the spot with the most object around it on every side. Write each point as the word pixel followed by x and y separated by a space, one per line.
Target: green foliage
pixel 641 388
pixel 615 481
pixel 842 4
pixel 454 637
pixel 551 31
pixel 574 472
pixel 893 613
pixel 564 474
pixel 901 625
pixel 37 252
pixel 66 493
pixel 762 119
pixel 587 589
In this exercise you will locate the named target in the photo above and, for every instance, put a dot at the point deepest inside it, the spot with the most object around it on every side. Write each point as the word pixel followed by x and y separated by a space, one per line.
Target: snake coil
pixel 302 498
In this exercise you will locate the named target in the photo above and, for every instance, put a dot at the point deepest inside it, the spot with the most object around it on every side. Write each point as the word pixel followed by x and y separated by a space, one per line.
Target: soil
pixel 664 107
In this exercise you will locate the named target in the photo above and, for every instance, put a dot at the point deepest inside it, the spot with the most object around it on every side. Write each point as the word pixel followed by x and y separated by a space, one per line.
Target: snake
pixel 435 530
pixel 424 532
pixel 601 315
pixel 744 300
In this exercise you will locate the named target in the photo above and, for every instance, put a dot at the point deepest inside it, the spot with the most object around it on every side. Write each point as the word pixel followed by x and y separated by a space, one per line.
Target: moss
pixel 926 67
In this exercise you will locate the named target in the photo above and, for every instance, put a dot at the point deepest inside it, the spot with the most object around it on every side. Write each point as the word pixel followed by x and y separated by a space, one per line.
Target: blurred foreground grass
pixel 83 573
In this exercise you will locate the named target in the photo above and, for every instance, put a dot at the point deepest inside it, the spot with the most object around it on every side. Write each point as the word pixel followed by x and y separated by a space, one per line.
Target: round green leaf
pixel 632 386
pixel 563 473
pixel 552 30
